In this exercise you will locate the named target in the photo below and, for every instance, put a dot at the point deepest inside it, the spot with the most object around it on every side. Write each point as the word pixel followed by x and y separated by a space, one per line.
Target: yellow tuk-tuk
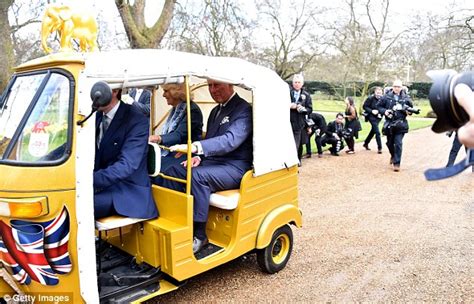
pixel 52 247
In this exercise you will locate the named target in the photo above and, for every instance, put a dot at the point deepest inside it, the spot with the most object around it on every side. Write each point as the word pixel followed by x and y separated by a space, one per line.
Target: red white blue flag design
pixel 36 250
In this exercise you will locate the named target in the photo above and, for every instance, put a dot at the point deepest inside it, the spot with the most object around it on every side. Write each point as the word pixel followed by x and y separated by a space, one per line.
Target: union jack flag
pixel 36 250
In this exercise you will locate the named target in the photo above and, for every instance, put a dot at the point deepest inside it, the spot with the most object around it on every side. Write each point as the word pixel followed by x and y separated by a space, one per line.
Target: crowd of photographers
pixel 394 106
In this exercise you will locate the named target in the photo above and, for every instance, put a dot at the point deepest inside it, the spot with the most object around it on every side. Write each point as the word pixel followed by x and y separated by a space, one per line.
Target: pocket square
pixel 224 120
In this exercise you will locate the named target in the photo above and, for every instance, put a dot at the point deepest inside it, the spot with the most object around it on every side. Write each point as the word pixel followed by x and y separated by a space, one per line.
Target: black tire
pixel 274 257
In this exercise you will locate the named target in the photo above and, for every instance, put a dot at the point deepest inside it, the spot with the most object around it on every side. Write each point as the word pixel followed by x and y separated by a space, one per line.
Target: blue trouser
pixel 210 176
pixel 374 131
pixel 395 146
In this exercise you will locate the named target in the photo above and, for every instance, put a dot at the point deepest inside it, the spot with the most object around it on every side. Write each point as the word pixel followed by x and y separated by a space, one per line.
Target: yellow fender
pixel 286 214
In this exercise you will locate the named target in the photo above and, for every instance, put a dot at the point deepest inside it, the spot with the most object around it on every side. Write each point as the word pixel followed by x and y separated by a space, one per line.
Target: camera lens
pixel 450 115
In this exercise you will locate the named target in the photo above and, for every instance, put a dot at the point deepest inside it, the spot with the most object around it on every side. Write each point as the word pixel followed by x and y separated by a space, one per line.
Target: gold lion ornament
pixel 70 25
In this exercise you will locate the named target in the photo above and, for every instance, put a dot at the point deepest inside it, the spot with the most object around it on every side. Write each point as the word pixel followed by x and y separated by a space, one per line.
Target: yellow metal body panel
pixel 56 184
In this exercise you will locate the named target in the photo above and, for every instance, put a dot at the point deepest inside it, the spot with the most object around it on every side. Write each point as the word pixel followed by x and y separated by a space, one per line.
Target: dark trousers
pixel 317 140
pixel 337 145
pixel 210 176
pixel 395 146
pixel 374 131
pixel 350 143
pixel 301 139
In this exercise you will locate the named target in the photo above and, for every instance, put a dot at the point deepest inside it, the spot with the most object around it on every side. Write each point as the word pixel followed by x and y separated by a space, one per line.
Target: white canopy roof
pixel 274 145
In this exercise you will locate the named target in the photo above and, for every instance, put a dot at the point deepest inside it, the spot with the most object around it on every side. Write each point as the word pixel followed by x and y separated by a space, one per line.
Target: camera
pixel 300 108
pixel 411 110
pixel 346 133
pixel 450 115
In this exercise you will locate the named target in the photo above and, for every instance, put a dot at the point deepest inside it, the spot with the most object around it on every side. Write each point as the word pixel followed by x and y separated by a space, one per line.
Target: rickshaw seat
pixel 154 159
pixel 227 199
pixel 115 221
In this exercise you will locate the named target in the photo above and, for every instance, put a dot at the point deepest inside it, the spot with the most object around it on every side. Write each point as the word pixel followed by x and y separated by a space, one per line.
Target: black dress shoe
pixel 366 146
pixel 307 156
pixel 199 244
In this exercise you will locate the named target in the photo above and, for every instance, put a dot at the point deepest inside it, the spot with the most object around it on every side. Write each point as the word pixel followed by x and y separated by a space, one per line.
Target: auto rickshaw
pixel 51 244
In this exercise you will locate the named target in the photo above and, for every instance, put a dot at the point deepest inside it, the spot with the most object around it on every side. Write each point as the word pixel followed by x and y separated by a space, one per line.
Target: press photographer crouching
pixel 334 135
pixel 396 105
pixel 452 98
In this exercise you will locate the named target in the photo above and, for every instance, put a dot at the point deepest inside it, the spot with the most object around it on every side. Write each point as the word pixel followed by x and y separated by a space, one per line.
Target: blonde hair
pixel 177 90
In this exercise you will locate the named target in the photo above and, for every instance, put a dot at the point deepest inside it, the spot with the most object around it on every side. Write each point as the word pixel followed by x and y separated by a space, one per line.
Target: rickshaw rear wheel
pixel 274 257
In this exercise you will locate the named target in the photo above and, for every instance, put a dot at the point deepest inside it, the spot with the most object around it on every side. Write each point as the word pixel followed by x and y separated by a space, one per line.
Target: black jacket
pixel 319 122
pixel 388 102
pixel 334 128
pixel 371 103
pixel 297 119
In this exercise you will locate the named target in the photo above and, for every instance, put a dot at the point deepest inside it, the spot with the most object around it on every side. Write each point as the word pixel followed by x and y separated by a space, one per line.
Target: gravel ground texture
pixel 369 234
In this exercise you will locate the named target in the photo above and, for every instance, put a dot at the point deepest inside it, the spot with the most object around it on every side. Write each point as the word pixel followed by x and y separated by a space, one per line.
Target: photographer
pixel 465 97
pixel 374 117
pixel 334 135
pixel 396 105
pixel 318 129
pixel 301 105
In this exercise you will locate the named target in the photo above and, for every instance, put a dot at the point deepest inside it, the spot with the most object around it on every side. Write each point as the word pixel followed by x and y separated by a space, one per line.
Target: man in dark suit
pixel 141 100
pixel 121 182
pixel 373 116
pixel 318 129
pixel 301 105
pixel 333 135
pixel 222 158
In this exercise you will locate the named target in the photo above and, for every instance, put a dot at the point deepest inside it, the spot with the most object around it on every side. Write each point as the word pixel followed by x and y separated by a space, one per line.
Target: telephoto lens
pixel 449 114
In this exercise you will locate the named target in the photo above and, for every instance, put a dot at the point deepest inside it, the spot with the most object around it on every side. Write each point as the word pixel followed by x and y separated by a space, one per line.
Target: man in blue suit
pixel 121 182
pixel 141 100
pixel 222 158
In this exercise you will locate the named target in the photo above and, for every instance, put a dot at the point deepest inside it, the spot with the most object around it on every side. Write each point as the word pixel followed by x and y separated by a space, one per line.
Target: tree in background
pixel 211 27
pixel 133 18
pixel 294 41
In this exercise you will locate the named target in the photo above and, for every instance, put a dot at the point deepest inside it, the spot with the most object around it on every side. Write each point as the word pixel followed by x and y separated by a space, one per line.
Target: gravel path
pixel 370 234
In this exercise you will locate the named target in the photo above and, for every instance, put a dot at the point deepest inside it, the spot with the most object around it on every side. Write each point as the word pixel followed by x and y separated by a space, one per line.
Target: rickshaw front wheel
pixel 274 257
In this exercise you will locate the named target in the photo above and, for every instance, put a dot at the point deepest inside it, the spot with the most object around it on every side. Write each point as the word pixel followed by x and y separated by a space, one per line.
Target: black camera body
pixel 345 133
pixel 411 110
pixel 450 115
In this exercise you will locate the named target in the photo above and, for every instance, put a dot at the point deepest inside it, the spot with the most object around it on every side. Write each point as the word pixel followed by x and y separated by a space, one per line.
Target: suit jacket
pixel 143 102
pixel 332 128
pixel 229 134
pixel 388 101
pixel 372 103
pixel 120 169
pixel 297 119
pixel 180 134
pixel 319 122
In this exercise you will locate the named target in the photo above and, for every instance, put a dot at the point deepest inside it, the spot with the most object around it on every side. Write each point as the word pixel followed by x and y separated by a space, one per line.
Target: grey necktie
pixel 104 126
pixel 218 112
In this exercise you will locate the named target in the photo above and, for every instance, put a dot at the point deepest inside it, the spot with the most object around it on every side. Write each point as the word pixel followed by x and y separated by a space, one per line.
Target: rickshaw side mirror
pixel 101 95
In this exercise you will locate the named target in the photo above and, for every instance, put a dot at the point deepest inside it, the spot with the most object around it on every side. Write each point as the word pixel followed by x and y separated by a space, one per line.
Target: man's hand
pixel 300 108
pixel 465 97
pixel 293 105
pixel 375 112
pixel 318 132
pixel 336 136
pixel 308 130
pixel 195 161
pixel 154 139
pixel 183 148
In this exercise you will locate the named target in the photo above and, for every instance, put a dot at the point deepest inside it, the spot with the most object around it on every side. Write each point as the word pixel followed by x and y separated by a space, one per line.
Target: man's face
pixel 378 93
pixel 397 89
pixel 339 119
pixel 112 103
pixel 220 92
pixel 297 85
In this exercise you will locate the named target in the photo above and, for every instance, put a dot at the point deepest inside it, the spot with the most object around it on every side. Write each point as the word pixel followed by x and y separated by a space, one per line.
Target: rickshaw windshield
pixel 34 117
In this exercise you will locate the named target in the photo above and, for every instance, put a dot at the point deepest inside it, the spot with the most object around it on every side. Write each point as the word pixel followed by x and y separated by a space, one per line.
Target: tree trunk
pixel 6 46
pixel 139 35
